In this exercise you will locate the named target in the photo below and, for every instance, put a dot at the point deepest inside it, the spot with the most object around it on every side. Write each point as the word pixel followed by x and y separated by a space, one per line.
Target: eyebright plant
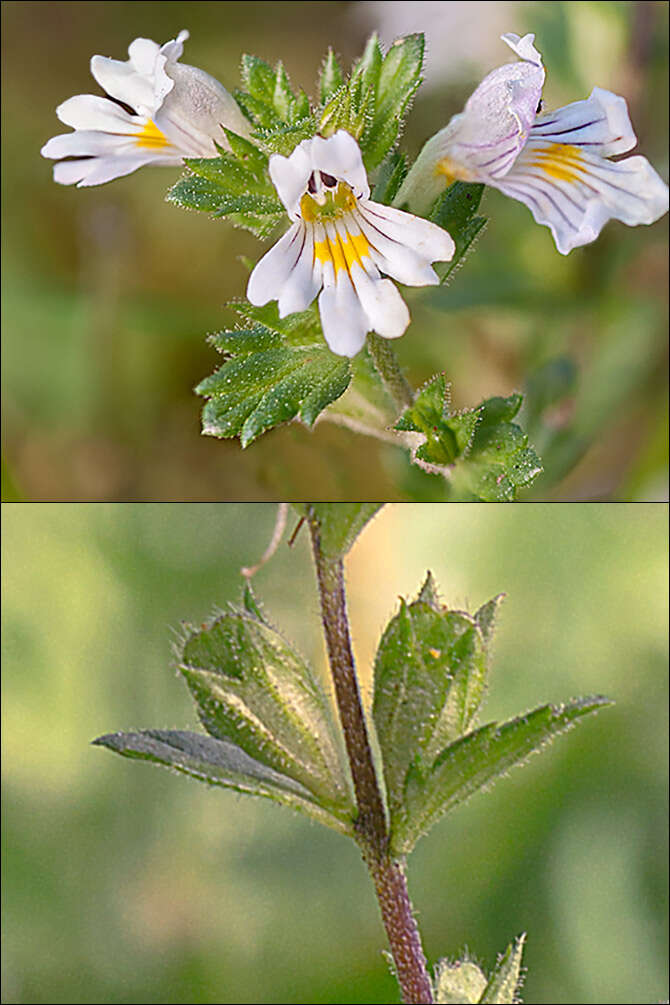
pixel 271 731
pixel 361 219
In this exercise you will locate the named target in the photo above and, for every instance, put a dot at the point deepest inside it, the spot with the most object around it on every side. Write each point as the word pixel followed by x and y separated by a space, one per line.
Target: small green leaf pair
pixel 488 455
pixel 272 731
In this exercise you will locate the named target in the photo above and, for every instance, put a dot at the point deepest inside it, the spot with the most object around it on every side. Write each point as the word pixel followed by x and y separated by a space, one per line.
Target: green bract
pixel 488 454
pixel 464 982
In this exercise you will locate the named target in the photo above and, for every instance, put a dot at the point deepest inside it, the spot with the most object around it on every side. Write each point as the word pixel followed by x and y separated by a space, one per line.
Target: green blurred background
pixel 108 293
pixel 123 883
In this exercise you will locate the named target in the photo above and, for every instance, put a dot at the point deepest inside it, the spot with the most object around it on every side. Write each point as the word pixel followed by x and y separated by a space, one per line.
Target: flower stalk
pixel 387 366
pixel 371 825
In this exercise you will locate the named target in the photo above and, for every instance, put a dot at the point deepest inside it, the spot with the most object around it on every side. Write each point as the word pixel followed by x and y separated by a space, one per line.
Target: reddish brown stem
pixel 371 828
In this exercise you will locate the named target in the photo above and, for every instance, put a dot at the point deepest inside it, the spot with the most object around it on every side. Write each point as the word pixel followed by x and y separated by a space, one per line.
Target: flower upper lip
pixel 556 163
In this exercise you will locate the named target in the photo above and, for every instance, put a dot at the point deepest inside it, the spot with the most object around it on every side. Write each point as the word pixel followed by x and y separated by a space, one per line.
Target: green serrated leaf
pixel 456 212
pixel 253 689
pixel 301 329
pixel 459 983
pixel 339 523
pixel 486 616
pixel 193 192
pixel 255 160
pixel 242 342
pixel 219 762
pixel 368 68
pixel 505 981
pixel 279 369
pixel 398 79
pixel 429 680
pixel 261 226
pixel 235 185
pixel 331 77
pixel 302 109
pixel 283 98
pixel 390 178
pixel 258 78
pixel 257 205
pixel 233 174
pixel 251 394
pixel 283 138
pixel 255 212
pixel 428 594
pixel 349 109
pixel 259 111
pixel 475 761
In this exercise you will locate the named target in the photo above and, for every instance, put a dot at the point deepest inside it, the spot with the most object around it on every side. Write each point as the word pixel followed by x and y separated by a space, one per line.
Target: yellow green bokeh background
pixel 125 884
pixel 108 292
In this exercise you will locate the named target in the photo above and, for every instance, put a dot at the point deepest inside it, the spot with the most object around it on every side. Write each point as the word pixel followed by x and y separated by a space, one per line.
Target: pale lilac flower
pixel 341 244
pixel 557 163
pixel 177 111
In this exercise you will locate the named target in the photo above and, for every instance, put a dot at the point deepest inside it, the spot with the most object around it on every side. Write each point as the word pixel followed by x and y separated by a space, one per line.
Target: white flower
pixel 340 243
pixel 177 112
pixel 556 163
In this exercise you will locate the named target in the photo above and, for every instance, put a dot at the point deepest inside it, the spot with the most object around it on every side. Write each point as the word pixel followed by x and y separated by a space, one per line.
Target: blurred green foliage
pixel 108 292
pixel 126 884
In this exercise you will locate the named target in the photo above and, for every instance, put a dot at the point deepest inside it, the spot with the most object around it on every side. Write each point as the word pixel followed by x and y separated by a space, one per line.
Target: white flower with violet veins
pixel 340 243
pixel 177 112
pixel 557 163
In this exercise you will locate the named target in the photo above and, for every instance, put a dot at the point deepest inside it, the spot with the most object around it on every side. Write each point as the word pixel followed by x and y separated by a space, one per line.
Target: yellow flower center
pixel 151 137
pixel 342 252
pixel 335 204
pixel 559 160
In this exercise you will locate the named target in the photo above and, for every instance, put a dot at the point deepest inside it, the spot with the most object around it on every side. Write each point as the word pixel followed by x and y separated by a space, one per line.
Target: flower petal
pixel 304 282
pixel 195 109
pixel 270 274
pixel 427 239
pixel 89 111
pixel 344 322
pixel 122 81
pixel 576 193
pixel 142 56
pixel 523 47
pixel 173 49
pixel 90 143
pixel 98 170
pixel 290 176
pixel 392 256
pixel 385 309
pixel 339 155
pixel 600 124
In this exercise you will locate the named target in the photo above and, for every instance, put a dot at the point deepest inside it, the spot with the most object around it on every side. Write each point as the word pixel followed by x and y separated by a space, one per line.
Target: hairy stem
pixel 388 368
pixel 371 827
